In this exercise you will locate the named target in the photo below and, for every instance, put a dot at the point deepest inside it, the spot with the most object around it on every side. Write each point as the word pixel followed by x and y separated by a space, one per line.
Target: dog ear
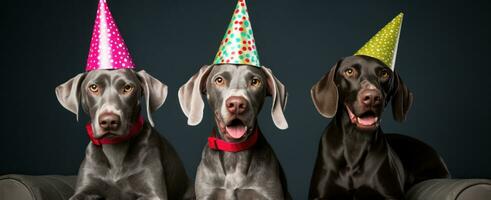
pixel 402 99
pixel 155 93
pixel 190 96
pixel 325 94
pixel 68 93
pixel 277 91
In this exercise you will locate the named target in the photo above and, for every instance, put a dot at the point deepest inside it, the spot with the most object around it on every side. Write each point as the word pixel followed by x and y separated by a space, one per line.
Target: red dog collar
pixel 222 145
pixel 134 130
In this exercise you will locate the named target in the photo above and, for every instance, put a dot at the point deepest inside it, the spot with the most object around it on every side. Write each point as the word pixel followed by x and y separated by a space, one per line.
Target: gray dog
pixel 127 159
pixel 236 94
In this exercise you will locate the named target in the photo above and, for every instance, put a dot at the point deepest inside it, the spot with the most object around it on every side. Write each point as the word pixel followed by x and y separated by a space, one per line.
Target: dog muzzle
pixel 134 130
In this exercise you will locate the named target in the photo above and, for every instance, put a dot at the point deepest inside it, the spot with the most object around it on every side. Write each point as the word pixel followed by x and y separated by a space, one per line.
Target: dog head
pixel 362 86
pixel 112 98
pixel 236 94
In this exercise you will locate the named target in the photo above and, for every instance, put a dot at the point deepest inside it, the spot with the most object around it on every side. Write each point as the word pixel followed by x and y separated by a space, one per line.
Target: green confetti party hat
pixel 238 45
pixel 383 45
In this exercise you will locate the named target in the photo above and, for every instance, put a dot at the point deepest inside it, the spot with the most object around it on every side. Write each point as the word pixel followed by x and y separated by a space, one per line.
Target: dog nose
pixel 109 121
pixel 236 105
pixel 370 97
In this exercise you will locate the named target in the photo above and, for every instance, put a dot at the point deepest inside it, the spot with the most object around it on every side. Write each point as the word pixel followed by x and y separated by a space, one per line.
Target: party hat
pixel 107 47
pixel 383 45
pixel 238 45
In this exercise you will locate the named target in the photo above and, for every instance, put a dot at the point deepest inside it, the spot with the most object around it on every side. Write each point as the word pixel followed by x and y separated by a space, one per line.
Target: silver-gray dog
pixel 127 159
pixel 238 162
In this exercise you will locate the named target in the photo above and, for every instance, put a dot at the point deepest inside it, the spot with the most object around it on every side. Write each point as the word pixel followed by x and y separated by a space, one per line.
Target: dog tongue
pixel 367 121
pixel 236 131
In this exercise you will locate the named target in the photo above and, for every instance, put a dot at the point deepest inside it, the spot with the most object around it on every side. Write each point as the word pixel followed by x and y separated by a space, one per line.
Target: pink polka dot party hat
pixel 107 47
pixel 238 45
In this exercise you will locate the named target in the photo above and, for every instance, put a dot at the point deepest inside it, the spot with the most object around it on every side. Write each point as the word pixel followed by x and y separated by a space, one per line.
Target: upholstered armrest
pixel 451 189
pixel 22 187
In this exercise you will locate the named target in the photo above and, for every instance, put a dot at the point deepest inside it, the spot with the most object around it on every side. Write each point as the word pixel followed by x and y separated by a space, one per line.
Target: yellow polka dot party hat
pixel 383 45
pixel 238 45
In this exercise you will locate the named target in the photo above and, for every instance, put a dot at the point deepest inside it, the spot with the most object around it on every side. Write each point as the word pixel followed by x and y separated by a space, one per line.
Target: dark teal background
pixel 444 58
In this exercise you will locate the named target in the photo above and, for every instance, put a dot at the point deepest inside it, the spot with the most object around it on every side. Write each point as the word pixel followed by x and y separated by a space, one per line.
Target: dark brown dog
pixel 356 160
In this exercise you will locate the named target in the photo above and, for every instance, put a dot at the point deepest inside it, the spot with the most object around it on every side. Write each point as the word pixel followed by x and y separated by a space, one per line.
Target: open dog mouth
pixel 236 128
pixel 367 120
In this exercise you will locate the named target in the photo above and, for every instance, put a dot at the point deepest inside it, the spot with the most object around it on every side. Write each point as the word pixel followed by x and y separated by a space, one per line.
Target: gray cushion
pixel 23 187
pixel 451 189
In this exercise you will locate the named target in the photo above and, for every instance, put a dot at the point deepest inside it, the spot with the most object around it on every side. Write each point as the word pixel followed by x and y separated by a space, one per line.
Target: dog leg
pixel 90 189
pixel 81 196
pixel 151 198
pixel 214 194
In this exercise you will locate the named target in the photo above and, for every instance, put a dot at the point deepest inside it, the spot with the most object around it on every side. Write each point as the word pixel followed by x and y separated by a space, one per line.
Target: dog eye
pixel 219 81
pixel 127 89
pixel 349 72
pixel 384 74
pixel 94 88
pixel 255 82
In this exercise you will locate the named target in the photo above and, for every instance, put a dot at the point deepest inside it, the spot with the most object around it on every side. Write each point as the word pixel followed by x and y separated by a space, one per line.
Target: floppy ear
pixel 325 94
pixel 154 91
pixel 190 96
pixel 68 93
pixel 278 92
pixel 402 99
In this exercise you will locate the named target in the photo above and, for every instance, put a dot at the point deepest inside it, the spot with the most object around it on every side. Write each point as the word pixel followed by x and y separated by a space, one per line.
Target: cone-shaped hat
pixel 238 45
pixel 383 45
pixel 107 48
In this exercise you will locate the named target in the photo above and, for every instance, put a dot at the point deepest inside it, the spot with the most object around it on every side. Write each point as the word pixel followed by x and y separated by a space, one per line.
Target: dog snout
pixel 370 97
pixel 236 105
pixel 109 121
